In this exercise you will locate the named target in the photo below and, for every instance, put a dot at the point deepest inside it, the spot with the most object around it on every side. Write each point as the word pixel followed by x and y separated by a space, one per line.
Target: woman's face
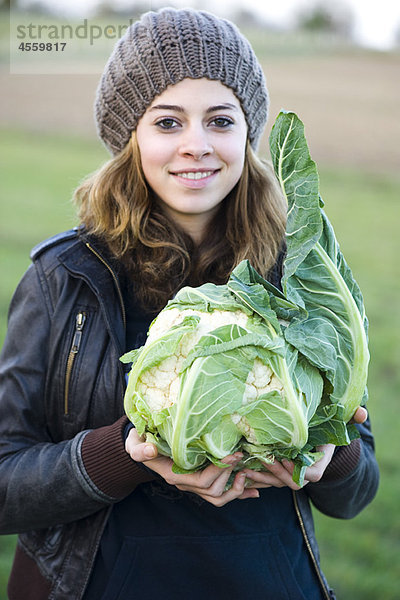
pixel 192 142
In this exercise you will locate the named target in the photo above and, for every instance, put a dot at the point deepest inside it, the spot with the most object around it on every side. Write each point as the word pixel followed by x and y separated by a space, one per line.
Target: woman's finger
pixel 261 479
pixel 212 483
pixel 238 490
pixel 360 415
pixel 315 472
pixel 138 449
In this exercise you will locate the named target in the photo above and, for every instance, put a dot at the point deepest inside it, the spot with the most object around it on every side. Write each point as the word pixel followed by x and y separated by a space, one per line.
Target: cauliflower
pixel 211 378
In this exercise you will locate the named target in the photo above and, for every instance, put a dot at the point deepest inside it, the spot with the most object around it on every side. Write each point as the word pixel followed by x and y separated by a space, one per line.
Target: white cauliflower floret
pixel 159 386
pixel 274 384
pixel 174 389
pixel 156 377
pixel 262 374
pixel 169 364
pixel 244 428
pixel 250 393
pixel 165 320
pixel 156 396
pixel 260 380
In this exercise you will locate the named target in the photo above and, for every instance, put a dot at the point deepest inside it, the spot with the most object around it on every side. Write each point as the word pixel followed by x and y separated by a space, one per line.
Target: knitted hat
pixel 165 47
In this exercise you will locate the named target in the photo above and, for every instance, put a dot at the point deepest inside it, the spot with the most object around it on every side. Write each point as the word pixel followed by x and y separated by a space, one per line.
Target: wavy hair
pixel 116 204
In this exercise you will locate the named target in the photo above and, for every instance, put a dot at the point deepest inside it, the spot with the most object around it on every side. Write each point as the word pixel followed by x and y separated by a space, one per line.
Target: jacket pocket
pixel 232 566
pixel 80 321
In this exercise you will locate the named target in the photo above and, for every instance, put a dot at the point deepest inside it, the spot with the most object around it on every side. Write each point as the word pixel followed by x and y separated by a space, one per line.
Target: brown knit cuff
pixel 344 461
pixel 108 464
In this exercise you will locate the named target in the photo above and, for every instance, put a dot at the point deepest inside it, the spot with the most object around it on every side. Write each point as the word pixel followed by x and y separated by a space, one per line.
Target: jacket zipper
pixel 309 548
pixel 101 259
pixel 76 342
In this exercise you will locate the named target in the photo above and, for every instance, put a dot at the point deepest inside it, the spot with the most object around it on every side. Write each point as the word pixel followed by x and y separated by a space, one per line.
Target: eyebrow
pixel 180 109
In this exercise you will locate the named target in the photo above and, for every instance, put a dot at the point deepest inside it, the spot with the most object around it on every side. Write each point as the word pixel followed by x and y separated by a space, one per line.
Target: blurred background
pixel 337 65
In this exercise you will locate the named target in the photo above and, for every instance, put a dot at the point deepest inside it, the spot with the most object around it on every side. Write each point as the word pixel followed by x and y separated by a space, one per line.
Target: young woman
pixel 181 105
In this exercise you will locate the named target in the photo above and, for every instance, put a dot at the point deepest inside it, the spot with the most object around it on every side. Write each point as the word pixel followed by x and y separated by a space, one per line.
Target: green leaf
pixel 298 177
pixel 206 298
pixel 210 389
pixel 131 356
pixel 261 296
pixel 272 421
pixel 333 336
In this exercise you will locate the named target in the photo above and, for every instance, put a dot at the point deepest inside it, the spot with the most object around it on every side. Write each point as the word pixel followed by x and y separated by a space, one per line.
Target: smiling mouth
pixel 195 175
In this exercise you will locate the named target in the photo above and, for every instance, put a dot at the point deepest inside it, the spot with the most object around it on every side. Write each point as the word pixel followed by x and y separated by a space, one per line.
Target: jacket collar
pixel 89 259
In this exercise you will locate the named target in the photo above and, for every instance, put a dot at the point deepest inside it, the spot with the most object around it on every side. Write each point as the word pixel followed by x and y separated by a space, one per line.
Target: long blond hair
pixel 116 204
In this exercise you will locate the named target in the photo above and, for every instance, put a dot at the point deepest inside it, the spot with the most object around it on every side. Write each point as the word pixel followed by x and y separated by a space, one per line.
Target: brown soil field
pixel 349 104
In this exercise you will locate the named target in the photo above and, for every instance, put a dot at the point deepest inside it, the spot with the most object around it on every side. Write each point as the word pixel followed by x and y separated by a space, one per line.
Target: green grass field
pixel 360 557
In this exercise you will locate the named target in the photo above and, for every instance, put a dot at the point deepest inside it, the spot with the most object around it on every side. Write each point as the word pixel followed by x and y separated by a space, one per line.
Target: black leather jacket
pixel 60 376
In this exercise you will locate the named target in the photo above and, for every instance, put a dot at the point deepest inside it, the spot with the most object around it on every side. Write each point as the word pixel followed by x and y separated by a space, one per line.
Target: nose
pixel 195 142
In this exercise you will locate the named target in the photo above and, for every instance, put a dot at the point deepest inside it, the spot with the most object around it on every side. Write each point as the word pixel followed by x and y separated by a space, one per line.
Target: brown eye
pixel 222 122
pixel 167 123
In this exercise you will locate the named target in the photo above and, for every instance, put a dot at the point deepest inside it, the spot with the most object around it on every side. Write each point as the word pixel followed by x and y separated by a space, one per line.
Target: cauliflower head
pixel 214 377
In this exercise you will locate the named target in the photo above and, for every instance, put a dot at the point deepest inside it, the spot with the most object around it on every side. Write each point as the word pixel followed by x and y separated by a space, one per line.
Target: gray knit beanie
pixel 165 47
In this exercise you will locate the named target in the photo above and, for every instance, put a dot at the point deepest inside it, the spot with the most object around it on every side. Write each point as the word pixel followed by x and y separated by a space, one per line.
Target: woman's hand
pixel 279 474
pixel 209 483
